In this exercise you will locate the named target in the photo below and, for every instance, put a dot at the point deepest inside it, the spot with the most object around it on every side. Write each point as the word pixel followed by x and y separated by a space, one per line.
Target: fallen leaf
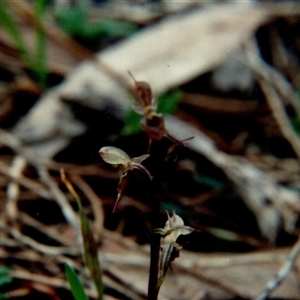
pixel 181 47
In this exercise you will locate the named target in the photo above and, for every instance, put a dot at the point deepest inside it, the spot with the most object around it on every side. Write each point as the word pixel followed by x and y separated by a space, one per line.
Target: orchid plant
pixel 164 246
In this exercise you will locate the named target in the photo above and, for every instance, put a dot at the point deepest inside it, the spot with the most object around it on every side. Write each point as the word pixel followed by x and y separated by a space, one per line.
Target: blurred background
pixel 225 73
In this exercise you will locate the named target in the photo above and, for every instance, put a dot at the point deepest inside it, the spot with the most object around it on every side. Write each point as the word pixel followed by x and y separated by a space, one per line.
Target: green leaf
pixel 4 271
pixel 13 31
pixel 89 244
pixel 90 251
pixel 296 124
pixel 72 20
pixel 167 103
pixel 36 62
pixel 40 67
pixel 75 283
pixel 132 123
pixel 75 22
pixel 4 276
pixel 115 28
pixel 4 279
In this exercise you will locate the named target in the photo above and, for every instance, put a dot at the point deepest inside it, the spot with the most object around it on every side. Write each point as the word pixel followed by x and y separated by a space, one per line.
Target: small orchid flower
pixel 152 122
pixel 116 156
pixel 144 97
pixel 174 227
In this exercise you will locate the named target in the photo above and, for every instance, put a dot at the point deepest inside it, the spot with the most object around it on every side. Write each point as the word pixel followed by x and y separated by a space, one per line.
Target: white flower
pixel 173 229
pixel 116 156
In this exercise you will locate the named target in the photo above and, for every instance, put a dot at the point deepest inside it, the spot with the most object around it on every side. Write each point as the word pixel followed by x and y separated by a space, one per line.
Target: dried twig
pixel 46 230
pixel 7 242
pixel 26 182
pixel 282 274
pixel 48 250
pixel 95 202
pixel 274 87
pixel 13 189
pixel 31 157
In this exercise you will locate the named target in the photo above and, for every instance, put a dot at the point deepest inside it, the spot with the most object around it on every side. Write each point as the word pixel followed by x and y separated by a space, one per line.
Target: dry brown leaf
pixel 218 105
pixel 183 46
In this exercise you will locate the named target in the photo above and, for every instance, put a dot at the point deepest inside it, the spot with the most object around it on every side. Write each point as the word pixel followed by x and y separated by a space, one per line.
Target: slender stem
pixel 40 67
pixel 153 287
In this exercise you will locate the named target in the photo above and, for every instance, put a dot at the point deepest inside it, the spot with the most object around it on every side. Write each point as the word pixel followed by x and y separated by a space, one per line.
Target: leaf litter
pixel 182 50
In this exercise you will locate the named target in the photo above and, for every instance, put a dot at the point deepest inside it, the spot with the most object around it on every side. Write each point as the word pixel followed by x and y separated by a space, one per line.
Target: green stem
pixel 10 26
pixel 41 58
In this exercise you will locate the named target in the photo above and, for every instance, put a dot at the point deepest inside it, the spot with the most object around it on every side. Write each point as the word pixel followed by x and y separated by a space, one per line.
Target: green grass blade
pixel 13 31
pixel 5 278
pixel 89 243
pixel 91 252
pixel 40 7
pixel 75 284
pixel 75 22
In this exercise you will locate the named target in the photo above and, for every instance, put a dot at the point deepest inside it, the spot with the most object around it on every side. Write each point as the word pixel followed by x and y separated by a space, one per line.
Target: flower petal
pixel 114 156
